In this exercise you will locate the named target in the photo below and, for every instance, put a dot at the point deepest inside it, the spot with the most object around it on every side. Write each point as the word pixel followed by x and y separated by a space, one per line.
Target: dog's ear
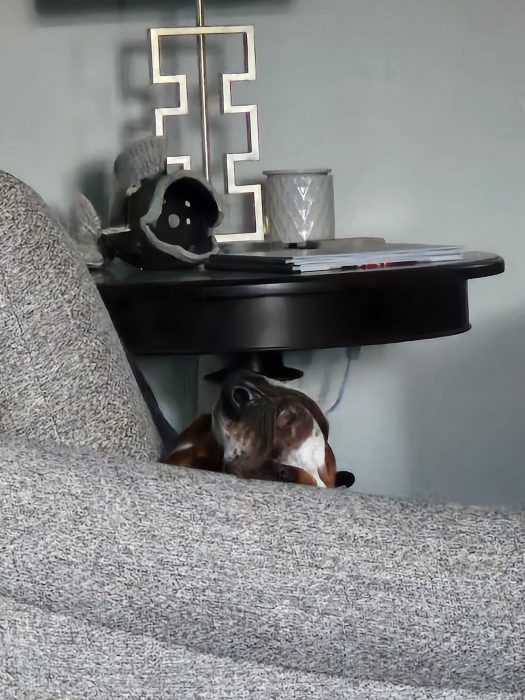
pixel 328 473
pixel 317 414
pixel 197 447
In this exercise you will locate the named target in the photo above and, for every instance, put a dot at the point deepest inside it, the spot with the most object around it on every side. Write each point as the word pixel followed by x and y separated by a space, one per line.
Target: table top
pixel 216 312
pixel 471 265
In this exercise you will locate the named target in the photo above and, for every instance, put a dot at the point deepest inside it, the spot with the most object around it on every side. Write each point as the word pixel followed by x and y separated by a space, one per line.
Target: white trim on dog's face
pixel 217 424
pixel 183 446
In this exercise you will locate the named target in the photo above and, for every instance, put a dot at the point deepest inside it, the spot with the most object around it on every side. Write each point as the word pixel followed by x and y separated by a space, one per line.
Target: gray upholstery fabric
pixel 63 372
pixel 50 656
pixel 121 578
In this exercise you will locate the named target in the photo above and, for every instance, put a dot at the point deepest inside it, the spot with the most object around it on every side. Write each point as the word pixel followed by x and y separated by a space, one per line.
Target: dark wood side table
pixel 255 316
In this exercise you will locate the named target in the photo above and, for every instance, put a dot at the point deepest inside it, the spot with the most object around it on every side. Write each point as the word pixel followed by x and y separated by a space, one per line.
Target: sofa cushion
pixel 312 580
pixel 48 655
pixel 63 371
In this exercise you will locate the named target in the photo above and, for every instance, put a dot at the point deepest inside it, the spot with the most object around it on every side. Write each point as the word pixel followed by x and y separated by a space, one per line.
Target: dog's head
pixel 268 431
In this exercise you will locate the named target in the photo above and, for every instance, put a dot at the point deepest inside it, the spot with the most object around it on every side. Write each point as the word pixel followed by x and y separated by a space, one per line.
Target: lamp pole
pixel 203 90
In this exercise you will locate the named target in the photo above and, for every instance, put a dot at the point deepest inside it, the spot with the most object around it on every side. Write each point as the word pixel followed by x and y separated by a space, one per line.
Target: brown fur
pixel 277 424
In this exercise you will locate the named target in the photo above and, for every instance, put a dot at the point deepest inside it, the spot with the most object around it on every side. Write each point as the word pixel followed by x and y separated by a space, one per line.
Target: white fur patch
pixel 310 456
pixel 184 446
pixel 217 425
pixel 232 448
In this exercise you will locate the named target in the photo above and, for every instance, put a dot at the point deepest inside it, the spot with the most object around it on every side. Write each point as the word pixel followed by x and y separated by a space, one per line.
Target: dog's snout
pixel 241 396
pixel 237 398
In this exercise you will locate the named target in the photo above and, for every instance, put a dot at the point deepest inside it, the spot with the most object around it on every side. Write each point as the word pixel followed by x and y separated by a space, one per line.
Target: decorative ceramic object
pixel 161 220
pixel 299 205
pixel 168 217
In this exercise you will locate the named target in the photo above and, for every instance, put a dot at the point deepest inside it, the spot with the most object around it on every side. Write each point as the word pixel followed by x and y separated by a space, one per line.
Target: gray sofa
pixel 124 578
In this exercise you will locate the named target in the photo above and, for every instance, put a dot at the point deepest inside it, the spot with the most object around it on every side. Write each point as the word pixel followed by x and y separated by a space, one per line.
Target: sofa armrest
pixel 312 580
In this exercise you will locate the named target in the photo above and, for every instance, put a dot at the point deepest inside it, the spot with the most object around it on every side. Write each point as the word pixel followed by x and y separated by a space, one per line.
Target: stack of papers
pixel 319 259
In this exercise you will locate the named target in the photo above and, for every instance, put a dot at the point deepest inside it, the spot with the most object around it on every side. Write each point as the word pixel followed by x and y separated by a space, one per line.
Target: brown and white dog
pixel 260 429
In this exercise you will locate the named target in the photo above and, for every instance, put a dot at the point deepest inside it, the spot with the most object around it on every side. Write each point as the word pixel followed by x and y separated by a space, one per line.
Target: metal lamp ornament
pixel 201 31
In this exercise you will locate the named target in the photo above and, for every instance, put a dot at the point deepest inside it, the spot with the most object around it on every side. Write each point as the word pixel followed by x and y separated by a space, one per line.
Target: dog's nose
pixel 237 393
pixel 242 396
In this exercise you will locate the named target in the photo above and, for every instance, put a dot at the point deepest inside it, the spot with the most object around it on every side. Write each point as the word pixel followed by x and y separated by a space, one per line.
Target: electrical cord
pixel 350 352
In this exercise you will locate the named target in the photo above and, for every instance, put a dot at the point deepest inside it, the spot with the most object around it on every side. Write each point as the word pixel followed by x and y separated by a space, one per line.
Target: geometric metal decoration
pixel 252 125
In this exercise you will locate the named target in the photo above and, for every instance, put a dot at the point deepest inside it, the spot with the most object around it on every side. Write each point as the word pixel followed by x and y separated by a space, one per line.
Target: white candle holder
pixel 299 205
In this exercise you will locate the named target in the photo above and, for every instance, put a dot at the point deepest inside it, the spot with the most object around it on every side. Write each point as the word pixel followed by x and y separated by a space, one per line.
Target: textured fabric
pixel 63 372
pixel 208 576
pixel 50 656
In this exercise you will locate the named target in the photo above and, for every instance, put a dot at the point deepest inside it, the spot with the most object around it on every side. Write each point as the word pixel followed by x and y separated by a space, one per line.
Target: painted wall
pixel 418 106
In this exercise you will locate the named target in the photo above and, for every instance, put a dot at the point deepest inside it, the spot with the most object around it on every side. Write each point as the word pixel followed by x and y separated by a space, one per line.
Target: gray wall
pixel 418 106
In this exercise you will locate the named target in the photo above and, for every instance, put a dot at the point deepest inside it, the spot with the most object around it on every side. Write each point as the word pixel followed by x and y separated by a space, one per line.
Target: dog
pixel 260 429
